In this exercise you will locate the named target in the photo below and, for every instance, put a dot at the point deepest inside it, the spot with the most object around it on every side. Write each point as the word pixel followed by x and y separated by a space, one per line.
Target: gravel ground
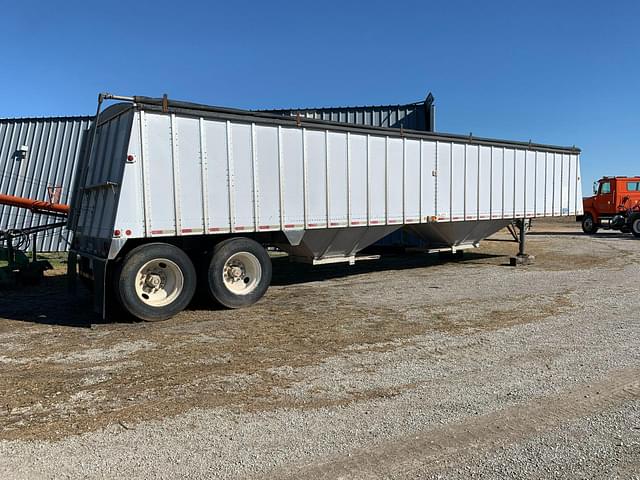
pixel 410 367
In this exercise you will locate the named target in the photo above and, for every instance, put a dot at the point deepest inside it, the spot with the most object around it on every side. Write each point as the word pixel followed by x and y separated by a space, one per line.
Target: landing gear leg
pixel 521 258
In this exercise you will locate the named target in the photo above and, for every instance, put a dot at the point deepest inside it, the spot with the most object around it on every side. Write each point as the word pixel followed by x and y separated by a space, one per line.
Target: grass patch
pixel 57 260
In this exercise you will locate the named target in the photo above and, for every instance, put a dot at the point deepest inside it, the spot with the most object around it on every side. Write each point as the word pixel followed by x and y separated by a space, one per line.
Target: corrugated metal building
pixel 37 160
pixel 410 116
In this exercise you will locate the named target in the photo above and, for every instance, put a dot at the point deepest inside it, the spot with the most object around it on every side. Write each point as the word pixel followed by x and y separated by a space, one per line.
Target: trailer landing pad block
pixel 522 260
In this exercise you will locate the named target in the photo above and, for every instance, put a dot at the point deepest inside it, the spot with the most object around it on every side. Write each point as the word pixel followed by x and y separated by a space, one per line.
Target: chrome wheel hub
pixel 159 282
pixel 242 273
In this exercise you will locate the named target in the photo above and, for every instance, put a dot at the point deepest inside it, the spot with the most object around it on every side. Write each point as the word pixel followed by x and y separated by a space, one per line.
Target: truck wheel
pixel 239 272
pixel 155 281
pixel 635 225
pixel 588 225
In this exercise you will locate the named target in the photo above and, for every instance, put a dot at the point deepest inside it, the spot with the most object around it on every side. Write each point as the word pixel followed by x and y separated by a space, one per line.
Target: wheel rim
pixel 636 225
pixel 588 223
pixel 242 273
pixel 159 282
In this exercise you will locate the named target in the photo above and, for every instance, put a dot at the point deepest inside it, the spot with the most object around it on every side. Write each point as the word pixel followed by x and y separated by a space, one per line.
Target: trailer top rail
pixel 167 105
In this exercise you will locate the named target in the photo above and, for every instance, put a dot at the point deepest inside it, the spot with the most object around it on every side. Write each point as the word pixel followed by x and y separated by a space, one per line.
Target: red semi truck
pixel 615 205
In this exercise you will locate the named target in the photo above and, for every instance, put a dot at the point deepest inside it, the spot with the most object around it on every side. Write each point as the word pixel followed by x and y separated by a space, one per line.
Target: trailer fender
pixel 115 247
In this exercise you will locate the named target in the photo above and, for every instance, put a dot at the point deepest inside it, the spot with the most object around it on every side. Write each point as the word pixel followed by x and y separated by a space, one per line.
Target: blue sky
pixel 551 71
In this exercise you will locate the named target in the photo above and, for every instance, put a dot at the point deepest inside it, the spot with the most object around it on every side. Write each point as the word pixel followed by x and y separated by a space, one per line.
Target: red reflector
pixel 127 232
pixel 116 233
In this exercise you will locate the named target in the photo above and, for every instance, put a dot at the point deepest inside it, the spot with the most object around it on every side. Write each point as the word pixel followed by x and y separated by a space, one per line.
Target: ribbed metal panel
pixel 53 148
pixel 411 116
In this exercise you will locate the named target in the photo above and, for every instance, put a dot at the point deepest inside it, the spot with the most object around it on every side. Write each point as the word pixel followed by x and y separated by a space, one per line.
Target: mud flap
pixel 72 273
pixel 99 268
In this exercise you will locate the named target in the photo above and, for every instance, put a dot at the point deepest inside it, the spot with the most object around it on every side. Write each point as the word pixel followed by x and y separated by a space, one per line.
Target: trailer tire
pixel 589 225
pixel 635 225
pixel 239 272
pixel 155 281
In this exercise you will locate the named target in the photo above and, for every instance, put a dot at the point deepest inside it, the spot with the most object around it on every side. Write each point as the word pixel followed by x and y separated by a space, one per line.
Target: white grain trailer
pixel 170 194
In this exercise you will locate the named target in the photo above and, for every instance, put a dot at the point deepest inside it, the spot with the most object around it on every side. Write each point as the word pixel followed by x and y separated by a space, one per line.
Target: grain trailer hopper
pixel 171 193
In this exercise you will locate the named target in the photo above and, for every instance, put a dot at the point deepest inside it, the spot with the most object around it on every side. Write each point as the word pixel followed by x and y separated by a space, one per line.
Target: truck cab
pixel 615 205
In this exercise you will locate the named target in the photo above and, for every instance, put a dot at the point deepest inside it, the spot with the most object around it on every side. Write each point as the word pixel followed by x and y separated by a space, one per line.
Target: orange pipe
pixel 38 206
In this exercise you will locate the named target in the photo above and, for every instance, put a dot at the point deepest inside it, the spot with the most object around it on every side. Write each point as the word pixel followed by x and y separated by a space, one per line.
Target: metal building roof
pixel 38 156
pixel 412 116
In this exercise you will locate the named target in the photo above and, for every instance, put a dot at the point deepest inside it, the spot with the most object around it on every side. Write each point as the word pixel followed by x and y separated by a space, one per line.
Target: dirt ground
pixel 413 366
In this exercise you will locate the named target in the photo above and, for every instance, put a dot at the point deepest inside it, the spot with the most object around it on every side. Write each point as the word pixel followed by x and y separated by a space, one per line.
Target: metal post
pixel 522 237
pixel 10 252
pixel 34 253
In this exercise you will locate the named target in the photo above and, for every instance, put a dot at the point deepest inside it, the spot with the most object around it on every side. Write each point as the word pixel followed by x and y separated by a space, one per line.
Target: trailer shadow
pixel 289 273
pixel 606 236
pixel 49 303
pixel 504 240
